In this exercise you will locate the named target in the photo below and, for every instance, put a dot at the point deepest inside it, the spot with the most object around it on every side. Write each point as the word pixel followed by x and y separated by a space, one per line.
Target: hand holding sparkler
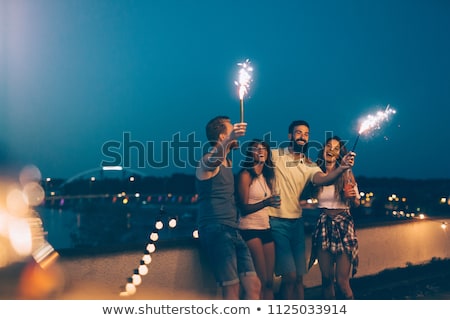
pixel 243 83
pixel 348 161
pixel 239 130
pixel 374 122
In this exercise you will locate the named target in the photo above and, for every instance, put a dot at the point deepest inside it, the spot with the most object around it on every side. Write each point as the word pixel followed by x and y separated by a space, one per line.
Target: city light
pixel 112 168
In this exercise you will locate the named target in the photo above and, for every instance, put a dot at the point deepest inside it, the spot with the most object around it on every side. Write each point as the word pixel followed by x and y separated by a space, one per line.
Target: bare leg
pixel 300 289
pixel 327 270
pixel 287 286
pixel 230 292
pixel 256 249
pixel 252 287
pixel 269 255
pixel 343 268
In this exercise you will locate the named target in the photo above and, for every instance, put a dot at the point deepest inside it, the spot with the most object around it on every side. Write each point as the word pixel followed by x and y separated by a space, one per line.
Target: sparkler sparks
pixel 243 83
pixel 373 122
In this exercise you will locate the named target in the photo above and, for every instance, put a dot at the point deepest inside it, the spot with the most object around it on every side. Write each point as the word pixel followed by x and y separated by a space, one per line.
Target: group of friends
pixel 252 229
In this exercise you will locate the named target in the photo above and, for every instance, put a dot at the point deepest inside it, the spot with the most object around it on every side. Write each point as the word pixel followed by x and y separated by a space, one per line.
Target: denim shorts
pixel 227 252
pixel 289 237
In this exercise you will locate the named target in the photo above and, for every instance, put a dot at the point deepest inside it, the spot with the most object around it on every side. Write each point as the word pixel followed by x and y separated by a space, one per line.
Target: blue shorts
pixel 289 237
pixel 227 252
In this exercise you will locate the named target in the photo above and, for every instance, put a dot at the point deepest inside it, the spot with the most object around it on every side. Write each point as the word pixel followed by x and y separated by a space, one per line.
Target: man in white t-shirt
pixel 293 170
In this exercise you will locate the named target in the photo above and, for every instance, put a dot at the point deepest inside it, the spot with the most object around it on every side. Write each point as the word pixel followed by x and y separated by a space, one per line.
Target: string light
pixel 143 269
pixel 154 236
pixel 150 247
pixel 147 258
pixel 172 223
pixel 159 224
pixel 23 228
pixel 136 277
pixel 130 288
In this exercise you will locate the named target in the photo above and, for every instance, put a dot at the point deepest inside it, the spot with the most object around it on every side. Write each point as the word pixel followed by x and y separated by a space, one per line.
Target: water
pixel 110 226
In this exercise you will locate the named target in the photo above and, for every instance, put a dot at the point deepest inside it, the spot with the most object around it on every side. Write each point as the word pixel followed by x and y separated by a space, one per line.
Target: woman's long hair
pixel 248 164
pixel 343 178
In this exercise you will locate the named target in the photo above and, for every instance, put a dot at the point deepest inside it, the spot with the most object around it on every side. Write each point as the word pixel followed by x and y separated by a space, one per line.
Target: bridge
pixel 105 172
pixel 106 185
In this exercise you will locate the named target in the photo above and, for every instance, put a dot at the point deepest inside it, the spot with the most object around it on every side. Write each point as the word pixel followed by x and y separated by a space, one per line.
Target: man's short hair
pixel 297 123
pixel 215 127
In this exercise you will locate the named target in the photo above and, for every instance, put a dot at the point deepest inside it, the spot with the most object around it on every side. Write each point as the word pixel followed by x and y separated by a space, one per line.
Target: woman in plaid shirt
pixel 334 241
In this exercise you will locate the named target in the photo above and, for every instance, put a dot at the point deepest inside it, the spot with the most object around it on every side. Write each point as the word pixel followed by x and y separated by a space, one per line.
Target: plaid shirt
pixel 337 235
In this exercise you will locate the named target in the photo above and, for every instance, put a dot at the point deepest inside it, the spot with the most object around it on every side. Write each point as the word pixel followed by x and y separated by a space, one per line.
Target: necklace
pixel 262 186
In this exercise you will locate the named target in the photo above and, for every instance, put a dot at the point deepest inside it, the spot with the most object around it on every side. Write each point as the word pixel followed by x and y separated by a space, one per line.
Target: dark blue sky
pixel 76 74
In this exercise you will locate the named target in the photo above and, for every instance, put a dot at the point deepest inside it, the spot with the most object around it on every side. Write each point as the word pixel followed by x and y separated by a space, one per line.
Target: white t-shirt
pixel 291 177
pixel 327 198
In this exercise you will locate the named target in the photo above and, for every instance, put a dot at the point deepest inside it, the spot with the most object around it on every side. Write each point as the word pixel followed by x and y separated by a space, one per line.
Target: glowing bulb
pixel 195 234
pixel 17 202
pixel 20 236
pixel 28 174
pixel 130 288
pixel 147 258
pixel 143 270
pixel 159 225
pixel 172 223
pixel 154 236
pixel 151 247
pixel 34 192
pixel 137 280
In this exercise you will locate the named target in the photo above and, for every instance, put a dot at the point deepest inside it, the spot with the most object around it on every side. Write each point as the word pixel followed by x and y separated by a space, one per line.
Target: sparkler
pixel 373 122
pixel 243 83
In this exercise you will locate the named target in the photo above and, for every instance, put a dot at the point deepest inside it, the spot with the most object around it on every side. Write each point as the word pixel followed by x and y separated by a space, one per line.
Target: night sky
pixel 78 74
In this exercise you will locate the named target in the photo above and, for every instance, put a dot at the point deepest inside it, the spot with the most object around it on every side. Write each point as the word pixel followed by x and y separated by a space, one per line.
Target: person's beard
pixel 299 148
